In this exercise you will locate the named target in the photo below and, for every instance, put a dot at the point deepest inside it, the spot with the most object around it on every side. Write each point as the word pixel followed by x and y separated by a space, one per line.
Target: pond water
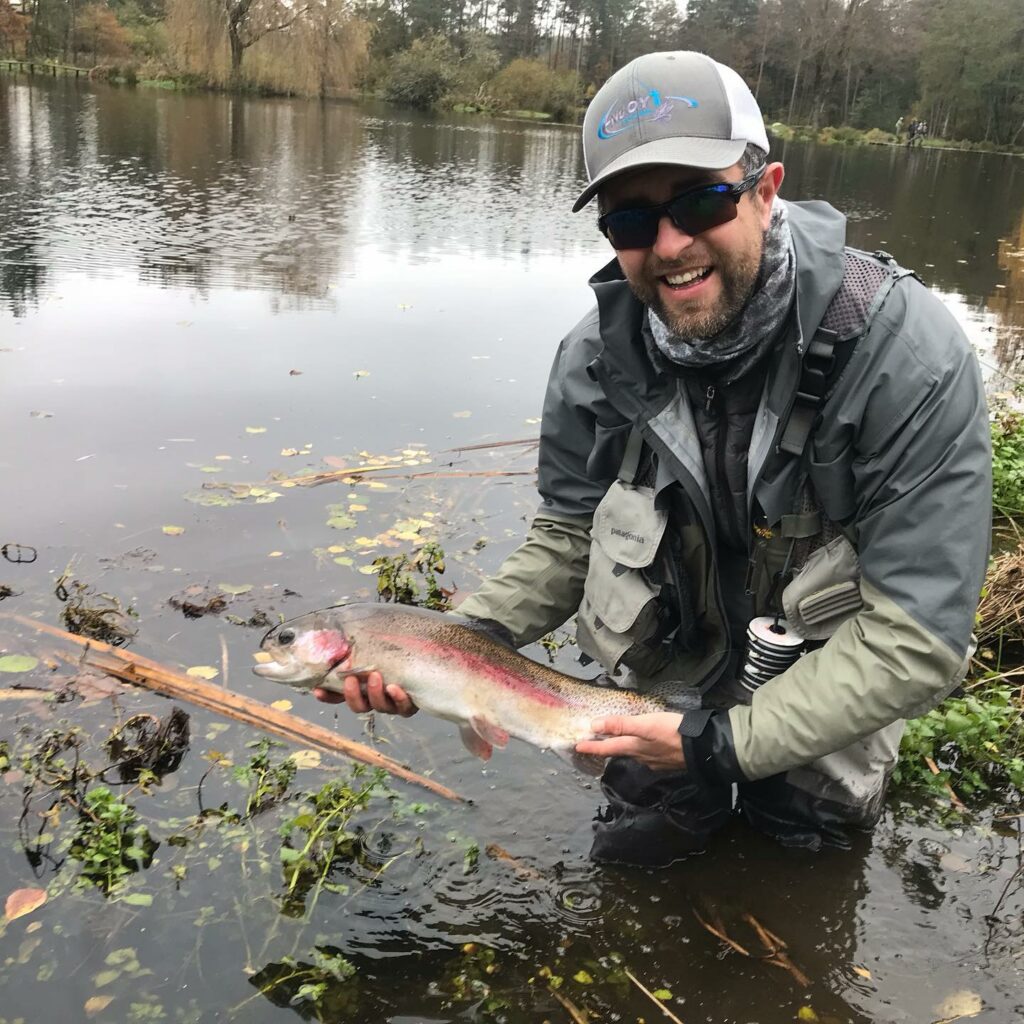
pixel 202 295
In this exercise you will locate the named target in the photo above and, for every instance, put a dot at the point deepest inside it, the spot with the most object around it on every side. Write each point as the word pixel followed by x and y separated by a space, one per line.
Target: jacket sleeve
pixel 919 455
pixel 540 585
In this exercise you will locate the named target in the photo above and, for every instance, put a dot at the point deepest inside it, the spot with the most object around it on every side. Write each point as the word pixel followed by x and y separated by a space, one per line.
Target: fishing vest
pixel 649 588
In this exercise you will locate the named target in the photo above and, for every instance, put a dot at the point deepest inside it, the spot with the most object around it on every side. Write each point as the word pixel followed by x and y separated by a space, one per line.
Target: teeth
pixel 687 276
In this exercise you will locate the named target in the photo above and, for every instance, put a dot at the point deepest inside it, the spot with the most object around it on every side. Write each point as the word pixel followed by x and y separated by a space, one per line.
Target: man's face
pixel 696 284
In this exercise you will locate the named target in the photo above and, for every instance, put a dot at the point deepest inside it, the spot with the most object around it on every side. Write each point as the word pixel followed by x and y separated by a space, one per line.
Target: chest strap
pixel 816 371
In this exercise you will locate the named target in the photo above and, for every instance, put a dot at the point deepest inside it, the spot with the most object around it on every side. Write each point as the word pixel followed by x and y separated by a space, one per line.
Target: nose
pixel 670 241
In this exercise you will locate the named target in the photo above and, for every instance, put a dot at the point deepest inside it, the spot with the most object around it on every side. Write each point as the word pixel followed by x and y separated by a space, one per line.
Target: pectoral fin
pixel 588 764
pixel 475 744
pixel 489 732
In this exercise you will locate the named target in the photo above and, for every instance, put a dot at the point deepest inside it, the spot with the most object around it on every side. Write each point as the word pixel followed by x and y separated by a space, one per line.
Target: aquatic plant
pixel 973 743
pixel 1008 461
pixel 111 843
pixel 396 580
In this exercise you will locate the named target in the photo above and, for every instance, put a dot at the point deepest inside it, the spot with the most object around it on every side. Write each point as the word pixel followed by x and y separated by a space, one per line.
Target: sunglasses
pixel 696 210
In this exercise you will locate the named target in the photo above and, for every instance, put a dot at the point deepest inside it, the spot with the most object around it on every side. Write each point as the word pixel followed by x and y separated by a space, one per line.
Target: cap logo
pixel 650 106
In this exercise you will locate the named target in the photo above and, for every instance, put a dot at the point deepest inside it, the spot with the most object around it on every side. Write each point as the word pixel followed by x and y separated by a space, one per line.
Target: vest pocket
pixel 825 591
pixel 619 609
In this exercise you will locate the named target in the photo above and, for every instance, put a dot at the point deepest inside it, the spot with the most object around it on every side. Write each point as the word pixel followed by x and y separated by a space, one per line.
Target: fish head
pixel 304 650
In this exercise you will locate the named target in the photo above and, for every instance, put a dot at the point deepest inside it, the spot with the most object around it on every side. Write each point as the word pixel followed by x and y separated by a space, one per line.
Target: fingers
pixel 369 693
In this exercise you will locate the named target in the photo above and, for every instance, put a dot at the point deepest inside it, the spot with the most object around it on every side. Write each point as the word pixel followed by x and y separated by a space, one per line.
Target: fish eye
pixel 286 636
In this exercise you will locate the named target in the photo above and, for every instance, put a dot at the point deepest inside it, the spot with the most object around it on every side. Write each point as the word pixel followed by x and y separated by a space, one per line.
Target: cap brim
pixel 708 154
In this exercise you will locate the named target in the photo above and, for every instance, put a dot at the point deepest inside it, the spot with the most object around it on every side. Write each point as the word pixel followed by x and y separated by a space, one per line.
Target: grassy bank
pixel 844 135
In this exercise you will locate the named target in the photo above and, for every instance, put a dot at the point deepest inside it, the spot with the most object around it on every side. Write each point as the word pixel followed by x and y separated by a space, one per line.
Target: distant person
pixel 760 442
pixel 899 127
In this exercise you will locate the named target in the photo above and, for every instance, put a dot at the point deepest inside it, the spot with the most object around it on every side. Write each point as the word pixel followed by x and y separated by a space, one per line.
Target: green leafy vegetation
pixel 1008 462
pixel 400 577
pixel 973 743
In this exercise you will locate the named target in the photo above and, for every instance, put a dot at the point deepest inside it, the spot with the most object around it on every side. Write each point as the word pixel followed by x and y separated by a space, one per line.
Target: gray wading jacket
pixel 899 459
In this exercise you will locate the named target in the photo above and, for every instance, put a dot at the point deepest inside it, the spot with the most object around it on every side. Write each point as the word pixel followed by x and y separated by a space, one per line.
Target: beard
pixel 738 274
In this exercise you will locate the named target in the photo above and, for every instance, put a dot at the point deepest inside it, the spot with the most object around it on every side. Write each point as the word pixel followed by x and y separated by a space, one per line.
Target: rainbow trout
pixel 455 669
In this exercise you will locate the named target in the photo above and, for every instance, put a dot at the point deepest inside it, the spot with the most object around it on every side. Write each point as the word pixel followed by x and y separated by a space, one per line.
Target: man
pixel 754 422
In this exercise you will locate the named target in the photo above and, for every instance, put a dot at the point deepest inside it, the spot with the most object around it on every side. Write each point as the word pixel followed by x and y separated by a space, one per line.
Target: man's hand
pixel 652 739
pixel 367 693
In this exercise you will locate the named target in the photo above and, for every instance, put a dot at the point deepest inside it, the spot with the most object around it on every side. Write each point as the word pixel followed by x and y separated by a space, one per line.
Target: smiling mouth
pixel 685 279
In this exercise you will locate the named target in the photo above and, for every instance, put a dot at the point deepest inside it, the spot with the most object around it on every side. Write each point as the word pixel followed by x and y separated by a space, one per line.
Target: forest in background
pixel 957 64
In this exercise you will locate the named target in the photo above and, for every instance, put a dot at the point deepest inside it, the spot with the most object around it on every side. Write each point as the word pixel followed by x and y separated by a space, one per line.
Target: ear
pixel 768 188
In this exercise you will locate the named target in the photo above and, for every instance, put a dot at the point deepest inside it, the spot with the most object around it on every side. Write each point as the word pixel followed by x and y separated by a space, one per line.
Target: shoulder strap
pixel 867 280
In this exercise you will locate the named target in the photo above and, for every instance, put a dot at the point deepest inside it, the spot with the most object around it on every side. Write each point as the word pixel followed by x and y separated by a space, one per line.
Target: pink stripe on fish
pixel 521 684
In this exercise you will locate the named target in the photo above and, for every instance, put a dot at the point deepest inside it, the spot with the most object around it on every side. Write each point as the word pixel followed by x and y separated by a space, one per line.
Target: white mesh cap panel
pixel 747 122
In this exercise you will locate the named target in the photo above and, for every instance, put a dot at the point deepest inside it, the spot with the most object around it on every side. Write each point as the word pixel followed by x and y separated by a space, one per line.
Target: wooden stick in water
pixel 151 674
pixel 653 998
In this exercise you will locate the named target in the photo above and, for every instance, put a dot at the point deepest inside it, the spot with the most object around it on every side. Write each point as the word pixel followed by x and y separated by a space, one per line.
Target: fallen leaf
pixel 97 1004
pixel 289 451
pixel 33 927
pixel 585 979
pixel 462 415
pixel 223 458
pixel 357 508
pixel 262 657
pixel 22 902
pixel 343 560
pixel 963 1003
pixel 274 554
pixel 306 758
pixel 255 430
pixel 361 373
pixel 337 549
pixel 211 469
pixel 235 588
pixel 862 971
pixel 18 663
pixel 806 1013
pixel 282 705
pixel 369 570
pixel 202 672
pixel 173 531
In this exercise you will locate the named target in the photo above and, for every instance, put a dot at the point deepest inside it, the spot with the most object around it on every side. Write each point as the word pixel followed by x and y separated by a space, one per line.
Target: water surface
pixel 198 291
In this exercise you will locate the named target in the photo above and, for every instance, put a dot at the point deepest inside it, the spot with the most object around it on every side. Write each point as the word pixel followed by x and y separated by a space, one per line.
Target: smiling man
pixel 765 474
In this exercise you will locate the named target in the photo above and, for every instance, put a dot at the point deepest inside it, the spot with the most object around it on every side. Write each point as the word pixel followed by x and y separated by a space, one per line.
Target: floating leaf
pixel 22 902
pixel 106 977
pixel 211 469
pixel 584 978
pixel 137 899
pixel 235 588
pixel 357 508
pixel 369 570
pixel 806 1013
pixel 343 560
pixel 464 415
pixel 337 549
pixel 963 1003
pixel 97 1004
pixel 223 458
pixel 345 522
pixel 366 542
pixel 202 672
pixel 274 554
pixel 862 971
pixel 282 705
pixel 361 373
pixel 255 430
pixel 662 994
pixel 307 758
pixel 173 531
pixel 18 663
pixel 287 452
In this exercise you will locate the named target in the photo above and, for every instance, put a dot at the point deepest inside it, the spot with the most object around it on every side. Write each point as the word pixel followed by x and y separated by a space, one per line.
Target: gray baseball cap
pixel 679 107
